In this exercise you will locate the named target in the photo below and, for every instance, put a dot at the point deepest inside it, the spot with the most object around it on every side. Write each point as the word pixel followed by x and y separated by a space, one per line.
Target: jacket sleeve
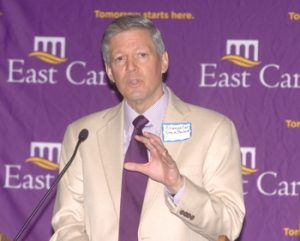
pixel 68 219
pixel 214 205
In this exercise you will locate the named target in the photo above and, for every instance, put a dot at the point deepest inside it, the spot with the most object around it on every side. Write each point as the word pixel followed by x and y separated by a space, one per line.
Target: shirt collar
pixel 155 114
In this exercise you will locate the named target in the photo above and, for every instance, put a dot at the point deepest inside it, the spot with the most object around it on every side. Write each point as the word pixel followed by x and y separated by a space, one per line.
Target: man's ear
pixel 109 73
pixel 164 62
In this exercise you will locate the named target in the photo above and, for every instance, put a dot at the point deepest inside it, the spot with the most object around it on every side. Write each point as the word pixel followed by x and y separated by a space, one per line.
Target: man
pixel 194 187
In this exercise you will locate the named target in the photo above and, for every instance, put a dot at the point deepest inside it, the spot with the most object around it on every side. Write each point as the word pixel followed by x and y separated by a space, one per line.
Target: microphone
pixel 81 137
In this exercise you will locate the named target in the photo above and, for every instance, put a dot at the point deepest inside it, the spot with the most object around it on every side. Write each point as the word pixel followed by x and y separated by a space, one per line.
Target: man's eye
pixel 119 59
pixel 142 55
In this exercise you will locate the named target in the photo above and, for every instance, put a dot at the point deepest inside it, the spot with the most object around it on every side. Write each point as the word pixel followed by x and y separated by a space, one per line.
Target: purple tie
pixel 133 186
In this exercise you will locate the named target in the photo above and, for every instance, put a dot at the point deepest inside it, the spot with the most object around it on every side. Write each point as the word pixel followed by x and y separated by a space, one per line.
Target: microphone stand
pixel 82 137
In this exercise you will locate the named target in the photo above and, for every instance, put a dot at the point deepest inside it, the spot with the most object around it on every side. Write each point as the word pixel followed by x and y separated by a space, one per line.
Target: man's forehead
pixel 131 31
pixel 121 38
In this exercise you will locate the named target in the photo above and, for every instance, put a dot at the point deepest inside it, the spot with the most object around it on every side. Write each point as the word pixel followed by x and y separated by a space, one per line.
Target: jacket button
pixel 186 214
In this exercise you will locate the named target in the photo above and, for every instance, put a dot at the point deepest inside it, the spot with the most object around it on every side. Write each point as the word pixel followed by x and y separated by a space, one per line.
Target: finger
pixel 153 144
pixel 153 137
pixel 150 138
pixel 156 141
pixel 149 143
pixel 165 153
pixel 136 167
pixel 142 139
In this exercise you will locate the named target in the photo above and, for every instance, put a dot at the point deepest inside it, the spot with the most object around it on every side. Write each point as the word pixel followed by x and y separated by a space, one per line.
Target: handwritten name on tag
pixel 176 131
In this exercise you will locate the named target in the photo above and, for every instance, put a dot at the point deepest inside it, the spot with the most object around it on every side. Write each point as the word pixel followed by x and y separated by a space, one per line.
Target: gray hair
pixel 125 23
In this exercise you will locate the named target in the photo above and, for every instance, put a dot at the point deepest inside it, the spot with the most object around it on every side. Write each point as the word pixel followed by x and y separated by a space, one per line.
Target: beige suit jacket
pixel 88 197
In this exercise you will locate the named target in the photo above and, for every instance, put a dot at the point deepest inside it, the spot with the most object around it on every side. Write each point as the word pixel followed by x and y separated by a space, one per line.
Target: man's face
pixel 136 68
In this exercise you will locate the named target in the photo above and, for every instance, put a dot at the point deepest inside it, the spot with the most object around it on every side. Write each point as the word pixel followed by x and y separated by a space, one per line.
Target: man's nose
pixel 131 64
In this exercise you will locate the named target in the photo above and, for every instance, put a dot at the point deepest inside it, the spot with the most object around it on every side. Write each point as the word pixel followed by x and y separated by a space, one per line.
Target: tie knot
pixel 140 122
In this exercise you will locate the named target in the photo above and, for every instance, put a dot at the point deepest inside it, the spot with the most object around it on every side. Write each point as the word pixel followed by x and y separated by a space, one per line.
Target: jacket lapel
pixel 110 139
pixel 176 112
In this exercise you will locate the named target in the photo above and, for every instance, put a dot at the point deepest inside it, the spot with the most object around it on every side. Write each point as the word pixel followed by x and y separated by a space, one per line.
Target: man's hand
pixel 161 167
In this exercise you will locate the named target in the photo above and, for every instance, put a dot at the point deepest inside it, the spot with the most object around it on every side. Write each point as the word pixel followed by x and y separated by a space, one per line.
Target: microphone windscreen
pixel 83 134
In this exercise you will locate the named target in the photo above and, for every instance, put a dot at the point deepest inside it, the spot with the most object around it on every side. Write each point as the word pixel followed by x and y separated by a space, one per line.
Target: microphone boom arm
pixel 82 137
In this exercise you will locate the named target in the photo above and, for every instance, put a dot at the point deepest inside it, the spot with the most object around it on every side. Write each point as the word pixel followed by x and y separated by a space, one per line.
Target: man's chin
pixel 135 101
pixel 136 96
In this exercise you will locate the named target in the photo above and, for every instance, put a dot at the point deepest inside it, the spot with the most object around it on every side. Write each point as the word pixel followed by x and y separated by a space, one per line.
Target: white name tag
pixel 176 131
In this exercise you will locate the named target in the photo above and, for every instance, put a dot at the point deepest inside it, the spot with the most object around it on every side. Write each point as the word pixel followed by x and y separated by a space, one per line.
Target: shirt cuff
pixel 177 197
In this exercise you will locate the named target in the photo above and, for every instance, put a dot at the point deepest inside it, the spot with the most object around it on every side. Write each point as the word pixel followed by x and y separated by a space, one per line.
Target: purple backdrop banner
pixel 241 58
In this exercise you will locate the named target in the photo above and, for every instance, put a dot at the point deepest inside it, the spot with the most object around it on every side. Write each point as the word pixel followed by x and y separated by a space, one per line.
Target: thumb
pixel 136 167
